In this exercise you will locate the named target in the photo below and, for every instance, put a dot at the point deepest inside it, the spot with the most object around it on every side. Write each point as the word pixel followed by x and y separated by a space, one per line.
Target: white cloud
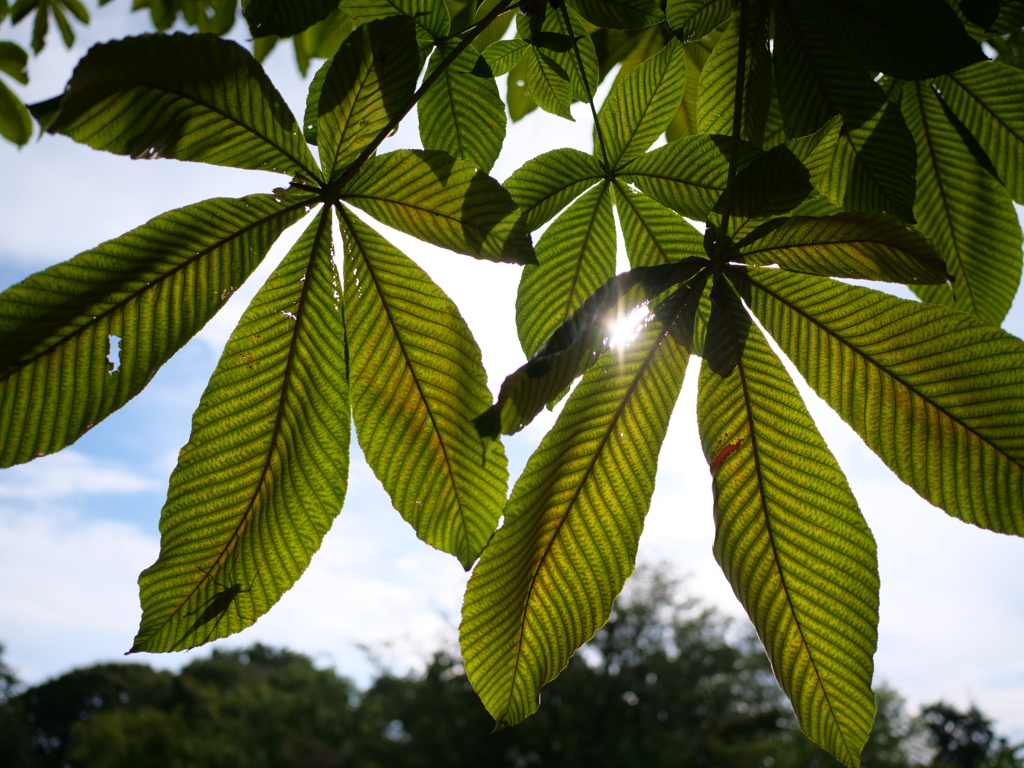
pixel 68 473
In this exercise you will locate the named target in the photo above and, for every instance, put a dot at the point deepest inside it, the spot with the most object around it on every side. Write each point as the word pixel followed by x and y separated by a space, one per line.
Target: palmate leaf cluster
pixel 808 143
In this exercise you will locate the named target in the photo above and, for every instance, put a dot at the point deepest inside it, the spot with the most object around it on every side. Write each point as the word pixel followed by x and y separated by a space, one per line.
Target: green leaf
pixel 61 325
pixel 640 106
pixel 285 17
pixel 867 246
pixel 462 114
pixel 417 382
pixel 982 13
pixel 986 98
pixel 619 14
pixel 369 82
pixel 547 34
pixel 546 184
pixel 687 175
pixel 444 201
pixel 789 534
pixel 503 55
pixel 779 180
pixel 189 97
pixel 15 121
pixel 934 392
pixel 874 164
pixel 265 469
pixel 520 102
pixel 963 210
pixel 494 31
pixel 684 122
pixel 13 60
pixel 576 256
pixel 431 16
pixel 548 578
pixel 549 84
pixel 694 19
pixel 911 39
pixel 653 233
pixel 576 344
pixel 716 93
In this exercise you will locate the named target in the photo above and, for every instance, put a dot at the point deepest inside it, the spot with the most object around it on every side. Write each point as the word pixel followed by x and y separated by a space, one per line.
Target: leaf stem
pixel 737 127
pixel 586 85
pixel 483 24
pixel 428 81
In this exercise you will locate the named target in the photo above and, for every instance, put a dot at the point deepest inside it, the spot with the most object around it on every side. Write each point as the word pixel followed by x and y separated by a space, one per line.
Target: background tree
pixel 790 150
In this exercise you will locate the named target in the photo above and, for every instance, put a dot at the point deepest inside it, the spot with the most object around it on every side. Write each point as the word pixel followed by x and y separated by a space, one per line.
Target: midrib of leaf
pixel 669 323
pixel 250 129
pixel 149 286
pixel 430 211
pixel 873 365
pixel 582 249
pixel 941 187
pixel 344 214
pixel 643 221
pixel 752 422
pixel 272 447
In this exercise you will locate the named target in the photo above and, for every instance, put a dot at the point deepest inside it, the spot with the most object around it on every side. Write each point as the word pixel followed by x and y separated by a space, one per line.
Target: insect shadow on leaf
pixel 215 608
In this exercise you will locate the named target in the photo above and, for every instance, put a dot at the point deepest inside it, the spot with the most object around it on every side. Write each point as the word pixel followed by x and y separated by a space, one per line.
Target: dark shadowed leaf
pixel 874 164
pixel 15 121
pixel 417 382
pixel 788 533
pixel 977 232
pixel 265 469
pixel 910 39
pixel 64 327
pixel 369 82
pixel 547 580
pixel 445 201
pixel 934 392
pixel 189 97
pixel 619 14
pixel 285 17
pixel 430 16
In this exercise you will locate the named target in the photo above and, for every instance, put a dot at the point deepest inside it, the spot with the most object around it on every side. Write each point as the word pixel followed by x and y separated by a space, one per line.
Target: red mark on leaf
pixel 723 454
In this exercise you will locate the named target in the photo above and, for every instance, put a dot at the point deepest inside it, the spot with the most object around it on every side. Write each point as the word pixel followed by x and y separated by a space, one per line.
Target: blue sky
pixel 77 527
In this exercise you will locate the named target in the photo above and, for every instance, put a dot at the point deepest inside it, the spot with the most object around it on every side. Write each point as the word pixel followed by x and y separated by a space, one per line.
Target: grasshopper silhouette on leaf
pixel 215 608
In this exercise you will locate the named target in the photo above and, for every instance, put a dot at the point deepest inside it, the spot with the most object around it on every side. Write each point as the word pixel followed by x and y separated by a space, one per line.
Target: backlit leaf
pixel 934 392
pixel 640 105
pixel 503 55
pixel 986 98
pixel 687 175
pixel 548 578
pixel 789 534
pixel 463 114
pixel 977 231
pixel 546 33
pixel 549 84
pixel 694 19
pixel 430 16
pixel 417 382
pixel 370 81
pixel 189 97
pixel 619 14
pixel 716 93
pixel 445 201
pixel 265 469
pixel 15 121
pixel 653 233
pixel 868 246
pixel 136 299
pixel 546 184
pixel 576 256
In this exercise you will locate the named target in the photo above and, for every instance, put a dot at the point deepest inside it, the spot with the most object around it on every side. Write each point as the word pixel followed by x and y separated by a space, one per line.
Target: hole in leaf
pixel 113 353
